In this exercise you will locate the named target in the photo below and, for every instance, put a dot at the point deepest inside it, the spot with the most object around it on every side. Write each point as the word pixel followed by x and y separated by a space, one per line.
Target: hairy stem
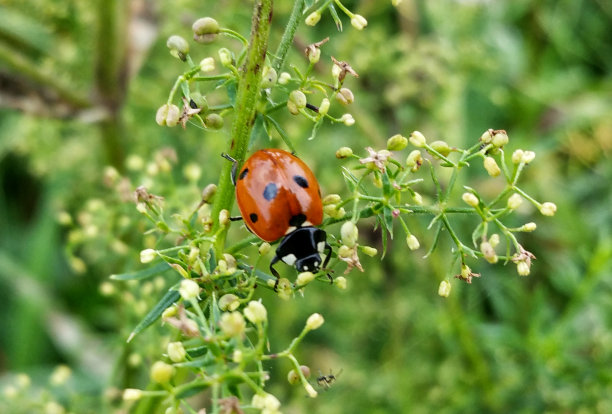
pixel 287 39
pixel 246 100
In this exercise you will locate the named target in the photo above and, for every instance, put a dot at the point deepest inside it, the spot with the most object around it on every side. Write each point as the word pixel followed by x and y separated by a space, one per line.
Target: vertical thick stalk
pixel 287 40
pixel 246 100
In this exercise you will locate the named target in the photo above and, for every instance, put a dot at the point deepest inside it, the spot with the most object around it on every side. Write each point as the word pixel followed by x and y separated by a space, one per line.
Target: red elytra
pixel 277 193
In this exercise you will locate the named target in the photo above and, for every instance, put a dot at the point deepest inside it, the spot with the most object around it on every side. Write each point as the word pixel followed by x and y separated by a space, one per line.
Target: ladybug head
pixel 303 248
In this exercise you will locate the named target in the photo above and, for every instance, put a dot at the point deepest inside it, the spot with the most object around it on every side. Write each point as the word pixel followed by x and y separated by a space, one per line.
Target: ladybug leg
pixel 328 252
pixel 234 166
pixel 236 218
pixel 274 272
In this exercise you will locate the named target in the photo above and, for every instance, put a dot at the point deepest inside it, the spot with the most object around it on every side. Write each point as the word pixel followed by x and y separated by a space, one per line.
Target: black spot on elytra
pixel 301 181
pixel 270 191
pixel 297 220
pixel 243 173
pixel 253 217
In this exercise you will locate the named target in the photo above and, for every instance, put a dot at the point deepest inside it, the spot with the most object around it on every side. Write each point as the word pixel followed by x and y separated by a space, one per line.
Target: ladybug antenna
pixel 234 165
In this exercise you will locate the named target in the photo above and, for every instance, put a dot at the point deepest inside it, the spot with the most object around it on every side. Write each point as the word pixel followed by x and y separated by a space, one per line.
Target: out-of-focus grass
pixel 451 69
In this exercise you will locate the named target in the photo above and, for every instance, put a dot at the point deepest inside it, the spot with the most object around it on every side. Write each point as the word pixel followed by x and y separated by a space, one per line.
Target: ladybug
pixel 279 197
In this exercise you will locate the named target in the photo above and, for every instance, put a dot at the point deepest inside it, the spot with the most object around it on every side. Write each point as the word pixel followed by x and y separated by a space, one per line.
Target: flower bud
pixel 264 248
pixel 180 270
pixel 60 375
pixel 441 147
pixel 284 78
pixel 229 302
pixel 528 227
pixel 515 201
pixel 548 209
pixel 132 394
pixel 331 199
pixel 358 22
pixel 314 54
pixel 418 199
pixel 500 139
pixel 207 64
pixel 176 352
pixel 345 96
pixel 486 136
pixel 528 156
pixel 268 77
pixel 414 160
pixel 179 48
pixel 491 166
pixel 340 281
pixel 293 377
pixel 298 98
pixel 224 217
pixel 517 156
pixel 494 240
pixel 417 139
pixel 314 321
pixel 237 356
pixel 344 152
pixel 313 18
pixel 232 324
pixel 225 57
pixel 470 199
pixel 412 242
pixel 488 252
pixel 256 312
pixel 161 372
pixel 522 268
pixel 304 278
pixel 397 143
pixel 168 115
pixel 336 71
pixel 147 255
pixel 349 233
pixel 444 289
pixel 189 290
pixel 205 30
pixel 347 119
pixel 209 192
pixel 370 251
pixel 345 251
pixel 213 121
pixel 169 312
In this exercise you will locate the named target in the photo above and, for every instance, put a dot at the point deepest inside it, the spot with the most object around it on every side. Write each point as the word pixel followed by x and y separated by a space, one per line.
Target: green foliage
pixel 449 69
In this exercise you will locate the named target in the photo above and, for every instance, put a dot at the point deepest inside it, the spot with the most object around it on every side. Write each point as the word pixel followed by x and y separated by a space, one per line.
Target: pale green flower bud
pixel 522 268
pixel 314 321
pixel 444 289
pixel 336 71
pixel 397 142
pixel 189 290
pixel 528 227
pixel 548 209
pixel 60 375
pixel 528 156
pixel 207 64
pixel 344 152
pixel 517 156
pixel 340 281
pixel 494 240
pixel 491 166
pixel 237 356
pixel 313 18
pixel 470 199
pixel 179 269
pixel 486 136
pixel 264 248
pixel 414 160
pixel 232 324
pixel 488 252
pixel 441 146
pixel 369 251
pixel 413 242
pixel 304 278
pixel 225 57
pixel 312 393
pixel 256 312
pixel 132 394
pixel 229 302
pixel 268 77
pixel 205 30
pixel 224 217
pixel 298 98
pixel 345 251
pixel 417 139
pixel 179 48
pixel 168 115
pixel 169 312
pixel 347 119
pixel 284 78
pixel 176 352
pixel 209 192
pixel 213 121
pixel 161 372
pixel 331 199
pixel 515 201
pixel 314 54
pixel 147 255
pixel 359 22
pixel 345 96
pixel 349 233
pixel 500 139
pixel 418 199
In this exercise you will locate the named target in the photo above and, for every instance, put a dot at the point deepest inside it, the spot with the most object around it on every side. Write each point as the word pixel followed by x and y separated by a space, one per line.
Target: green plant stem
pixel 288 35
pixel 245 109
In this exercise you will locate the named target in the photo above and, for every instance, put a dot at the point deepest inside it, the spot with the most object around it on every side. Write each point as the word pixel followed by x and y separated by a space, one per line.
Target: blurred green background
pixel 80 82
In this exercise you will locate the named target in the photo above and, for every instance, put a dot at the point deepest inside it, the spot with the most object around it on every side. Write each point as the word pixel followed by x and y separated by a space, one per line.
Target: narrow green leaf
pixel 263 276
pixel 387 188
pixel 315 129
pixel 144 273
pixel 435 242
pixel 334 15
pixel 169 298
pixel 191 389
pixel 388 216
pixel 281 132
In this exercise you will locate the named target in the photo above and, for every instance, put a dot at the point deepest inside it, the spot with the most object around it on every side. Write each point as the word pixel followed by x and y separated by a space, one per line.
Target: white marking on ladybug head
pixel 306 267
pixel 290 229
pixel 316 265
pixel 289 259
pixel 306 223
pixel 321 246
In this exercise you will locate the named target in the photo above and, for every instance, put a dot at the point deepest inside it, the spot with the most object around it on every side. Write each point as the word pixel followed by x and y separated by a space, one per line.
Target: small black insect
pixel 326 381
